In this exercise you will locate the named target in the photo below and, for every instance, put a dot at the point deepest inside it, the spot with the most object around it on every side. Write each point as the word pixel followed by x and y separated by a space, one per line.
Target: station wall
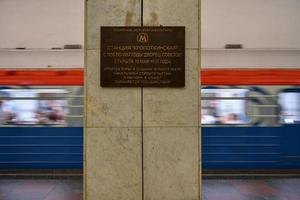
pixel 253 23
pixel 39 26
pixel 268 30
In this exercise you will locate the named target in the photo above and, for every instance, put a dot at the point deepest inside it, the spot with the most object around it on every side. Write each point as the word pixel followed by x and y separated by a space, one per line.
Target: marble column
pixel 171 115
pixel 117 122
pixel 113 169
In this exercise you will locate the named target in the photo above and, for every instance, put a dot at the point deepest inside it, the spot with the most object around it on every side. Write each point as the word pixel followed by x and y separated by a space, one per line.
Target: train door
pixel 289 100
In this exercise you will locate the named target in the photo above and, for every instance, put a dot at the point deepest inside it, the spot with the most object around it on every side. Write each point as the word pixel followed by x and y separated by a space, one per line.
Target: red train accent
pixel 35 77
pixel 250 77
pixel 69 77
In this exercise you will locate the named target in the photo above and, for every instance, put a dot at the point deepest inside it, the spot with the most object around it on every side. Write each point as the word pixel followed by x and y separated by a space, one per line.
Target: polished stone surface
pixel 171 163
pixel 171 117
pixel 175 107
pixel 109 107
pixel 110 13
pixel 175 13
pixel 113 168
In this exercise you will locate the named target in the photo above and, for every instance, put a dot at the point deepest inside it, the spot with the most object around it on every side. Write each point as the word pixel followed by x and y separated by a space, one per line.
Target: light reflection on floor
pixel 212 189
pixel 41 189
pixel 251 189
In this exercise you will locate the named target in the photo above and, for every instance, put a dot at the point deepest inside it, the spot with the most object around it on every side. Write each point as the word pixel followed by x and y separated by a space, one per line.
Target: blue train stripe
pixel 251 147
pixel 41 148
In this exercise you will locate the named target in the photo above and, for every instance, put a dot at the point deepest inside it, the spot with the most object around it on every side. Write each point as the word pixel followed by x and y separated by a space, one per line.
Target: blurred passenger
pixel 231 118
pixel 7 115
pixel 2 117
pixel 206 118
pixel 51 111
pixel 42 118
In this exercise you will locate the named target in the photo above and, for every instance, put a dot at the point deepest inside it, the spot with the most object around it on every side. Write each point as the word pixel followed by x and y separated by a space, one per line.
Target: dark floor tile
pixel 227 189
pixel 291 196
pixel 218 187
pixel 204 197
pixel 64 196
pixel 6 186
pixel 31 190
pixel 252 189
pixel 287 185
pixel 255 187
pixel 225 196
pixel 254 197
pixel 65 190
pixel 75 185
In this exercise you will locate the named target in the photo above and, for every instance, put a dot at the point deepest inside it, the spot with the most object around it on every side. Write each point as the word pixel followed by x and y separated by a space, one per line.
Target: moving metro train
pixel 41 126
pixel 250 119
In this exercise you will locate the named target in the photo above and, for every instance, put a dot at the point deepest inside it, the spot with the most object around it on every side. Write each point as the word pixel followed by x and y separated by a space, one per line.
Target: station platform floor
pixel 212 189
pixel 251 188
pixel 41 189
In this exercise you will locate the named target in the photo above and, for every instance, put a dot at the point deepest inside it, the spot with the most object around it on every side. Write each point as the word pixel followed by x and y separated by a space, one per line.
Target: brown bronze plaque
pixel 142 56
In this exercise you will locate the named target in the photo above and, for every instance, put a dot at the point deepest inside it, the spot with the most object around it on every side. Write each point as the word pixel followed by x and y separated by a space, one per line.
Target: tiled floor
pixel 213 189
pixel 251 189
pixel 41 189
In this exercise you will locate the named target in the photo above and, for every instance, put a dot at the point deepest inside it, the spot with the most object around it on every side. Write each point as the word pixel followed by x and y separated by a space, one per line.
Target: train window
pixel 38 106
pixel 289 101
pixel 223 106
